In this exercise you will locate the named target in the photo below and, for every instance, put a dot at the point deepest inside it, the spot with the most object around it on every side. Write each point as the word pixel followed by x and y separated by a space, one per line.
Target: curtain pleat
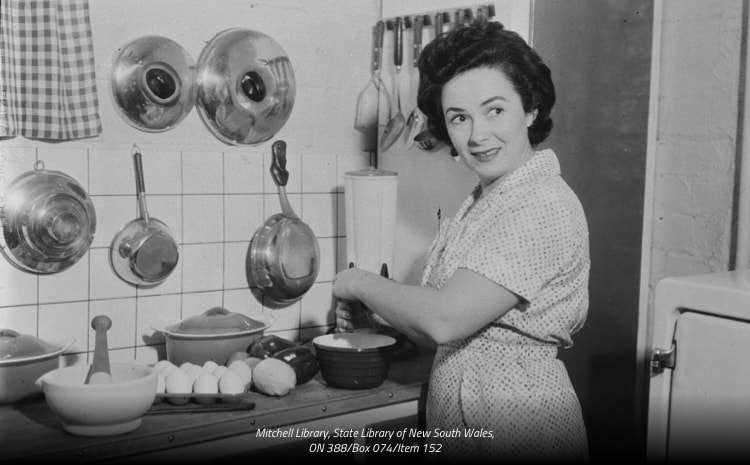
pixel 47 70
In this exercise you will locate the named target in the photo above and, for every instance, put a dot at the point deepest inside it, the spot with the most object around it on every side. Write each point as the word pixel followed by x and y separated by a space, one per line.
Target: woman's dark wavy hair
pixel 484 43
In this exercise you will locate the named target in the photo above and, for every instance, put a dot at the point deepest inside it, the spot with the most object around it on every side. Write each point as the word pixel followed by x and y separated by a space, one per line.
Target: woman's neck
pixel 486 185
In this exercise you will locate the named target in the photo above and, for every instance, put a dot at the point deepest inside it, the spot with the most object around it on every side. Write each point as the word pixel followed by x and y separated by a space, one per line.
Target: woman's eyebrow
pixel 485 102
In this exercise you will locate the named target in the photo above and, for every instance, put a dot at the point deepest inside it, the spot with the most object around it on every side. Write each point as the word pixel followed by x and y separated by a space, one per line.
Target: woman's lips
pixel 485 155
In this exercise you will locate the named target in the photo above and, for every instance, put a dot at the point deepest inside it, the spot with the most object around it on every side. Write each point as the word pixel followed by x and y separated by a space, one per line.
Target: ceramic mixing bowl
pixel 354 360
pixel 100 409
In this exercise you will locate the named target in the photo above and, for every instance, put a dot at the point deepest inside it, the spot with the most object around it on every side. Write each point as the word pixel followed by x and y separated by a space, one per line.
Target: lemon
pixel 206 383
pixel 274 377
pixel 241 368
pixel 231 383
pixel 179 382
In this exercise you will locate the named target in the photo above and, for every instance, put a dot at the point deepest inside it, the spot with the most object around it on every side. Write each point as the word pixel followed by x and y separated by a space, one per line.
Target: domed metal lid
pixel 49 221
pixel 246 87
pixel 153 83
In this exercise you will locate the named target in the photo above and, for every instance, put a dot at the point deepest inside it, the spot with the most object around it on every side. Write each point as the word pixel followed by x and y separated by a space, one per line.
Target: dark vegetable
pixel 268 345
pixel 302 360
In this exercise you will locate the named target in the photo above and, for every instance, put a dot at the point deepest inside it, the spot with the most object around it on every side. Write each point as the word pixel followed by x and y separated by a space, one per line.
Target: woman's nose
pixel 480 131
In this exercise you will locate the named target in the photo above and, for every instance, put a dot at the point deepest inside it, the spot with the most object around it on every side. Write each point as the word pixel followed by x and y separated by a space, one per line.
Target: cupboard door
pixel 710 398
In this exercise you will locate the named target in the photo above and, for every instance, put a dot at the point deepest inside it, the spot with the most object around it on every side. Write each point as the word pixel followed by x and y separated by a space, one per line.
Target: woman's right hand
pixel 354 317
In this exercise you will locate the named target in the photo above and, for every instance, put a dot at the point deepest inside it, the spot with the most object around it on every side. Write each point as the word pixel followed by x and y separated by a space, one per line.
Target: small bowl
pixel 100 409
pixel 354 360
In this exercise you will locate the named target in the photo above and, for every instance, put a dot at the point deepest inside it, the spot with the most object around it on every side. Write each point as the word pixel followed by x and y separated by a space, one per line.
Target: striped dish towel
pixel 47 74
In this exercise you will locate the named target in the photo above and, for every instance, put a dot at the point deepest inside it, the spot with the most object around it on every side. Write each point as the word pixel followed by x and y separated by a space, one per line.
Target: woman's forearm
pixel 464 305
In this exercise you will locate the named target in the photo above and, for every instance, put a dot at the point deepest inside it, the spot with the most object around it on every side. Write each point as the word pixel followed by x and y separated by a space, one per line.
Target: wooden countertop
pixel 29 429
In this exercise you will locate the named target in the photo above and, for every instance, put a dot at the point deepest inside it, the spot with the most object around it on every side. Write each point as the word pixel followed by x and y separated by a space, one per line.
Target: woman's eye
pixel 496 111
pixel 457 119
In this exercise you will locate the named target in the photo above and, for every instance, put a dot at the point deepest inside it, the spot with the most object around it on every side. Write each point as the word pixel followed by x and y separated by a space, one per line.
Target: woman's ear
pixel 531 117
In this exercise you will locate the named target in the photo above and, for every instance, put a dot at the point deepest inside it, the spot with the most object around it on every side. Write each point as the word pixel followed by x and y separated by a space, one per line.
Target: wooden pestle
pixel 100 373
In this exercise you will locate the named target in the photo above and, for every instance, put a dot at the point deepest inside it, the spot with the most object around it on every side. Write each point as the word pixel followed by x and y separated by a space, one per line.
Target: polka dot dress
pixel 529 235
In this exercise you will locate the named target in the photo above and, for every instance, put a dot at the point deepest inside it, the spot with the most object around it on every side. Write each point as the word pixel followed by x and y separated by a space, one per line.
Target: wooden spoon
pixel 100 373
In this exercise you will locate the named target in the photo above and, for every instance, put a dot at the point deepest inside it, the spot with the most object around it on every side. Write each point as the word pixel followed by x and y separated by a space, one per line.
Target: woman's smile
pixel 485 156
pixel 487 123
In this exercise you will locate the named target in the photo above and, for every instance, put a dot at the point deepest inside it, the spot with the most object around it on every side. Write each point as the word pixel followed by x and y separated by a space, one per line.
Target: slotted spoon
pixel 366 119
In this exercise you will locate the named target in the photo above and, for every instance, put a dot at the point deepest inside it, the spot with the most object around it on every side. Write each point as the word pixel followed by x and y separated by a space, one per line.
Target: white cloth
pixel 529 235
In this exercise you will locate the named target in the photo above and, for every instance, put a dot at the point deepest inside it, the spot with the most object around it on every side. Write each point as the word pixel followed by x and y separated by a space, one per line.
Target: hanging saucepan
pixel 284 257
pixel 246 87
pixel 48 221
pixel 143 252
pixel 153 83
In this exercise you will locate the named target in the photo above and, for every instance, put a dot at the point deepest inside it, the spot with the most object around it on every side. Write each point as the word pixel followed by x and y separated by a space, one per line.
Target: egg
pixel 161 364
pixel 179 382
pixel 210 366
pixel 241 355
pixel 220 371
pixel 185 366
pixel 194 371
pixel 231 383
pixel 242 369
pixel 168 368
pixel 206 383
pixel 160 387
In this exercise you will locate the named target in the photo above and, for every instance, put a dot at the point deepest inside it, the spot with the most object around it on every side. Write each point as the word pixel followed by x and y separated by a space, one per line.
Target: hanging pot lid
pixel 49 221
pixel 246 86
pixel 153 83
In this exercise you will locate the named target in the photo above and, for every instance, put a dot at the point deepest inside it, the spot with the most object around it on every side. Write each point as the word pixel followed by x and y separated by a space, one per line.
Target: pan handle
pixel 281 176
pixel 278 166
pixel 140 184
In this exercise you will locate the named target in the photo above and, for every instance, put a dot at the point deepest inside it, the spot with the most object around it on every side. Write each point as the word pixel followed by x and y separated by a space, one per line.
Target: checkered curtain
pixel 47 78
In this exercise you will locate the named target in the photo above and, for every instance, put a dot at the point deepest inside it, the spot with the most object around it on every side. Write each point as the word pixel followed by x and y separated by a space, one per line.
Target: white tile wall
pixel 211 196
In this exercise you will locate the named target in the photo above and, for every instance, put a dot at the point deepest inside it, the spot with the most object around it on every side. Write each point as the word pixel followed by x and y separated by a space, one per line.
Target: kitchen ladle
pixel 416 120
pixel 397 122
pixel 100 373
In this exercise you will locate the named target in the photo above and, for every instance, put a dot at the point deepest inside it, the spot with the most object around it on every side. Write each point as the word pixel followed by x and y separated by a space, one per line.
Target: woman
pixel 506 280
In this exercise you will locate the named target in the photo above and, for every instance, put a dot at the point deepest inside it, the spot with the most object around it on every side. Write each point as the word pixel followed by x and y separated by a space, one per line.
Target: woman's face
pixel 487 123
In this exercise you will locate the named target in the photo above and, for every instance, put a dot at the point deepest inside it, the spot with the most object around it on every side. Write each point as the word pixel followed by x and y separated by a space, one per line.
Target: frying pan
pixel 153 83
pixel 284 257
pixel 143 252
pixel 246 87
pixel 48 221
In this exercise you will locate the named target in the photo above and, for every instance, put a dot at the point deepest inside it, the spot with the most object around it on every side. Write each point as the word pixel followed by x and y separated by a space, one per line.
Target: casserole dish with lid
pixel 23 359
pixel 213 335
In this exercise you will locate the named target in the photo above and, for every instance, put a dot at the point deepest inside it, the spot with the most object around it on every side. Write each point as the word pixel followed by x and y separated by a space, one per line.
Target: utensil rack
pixel 457 16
